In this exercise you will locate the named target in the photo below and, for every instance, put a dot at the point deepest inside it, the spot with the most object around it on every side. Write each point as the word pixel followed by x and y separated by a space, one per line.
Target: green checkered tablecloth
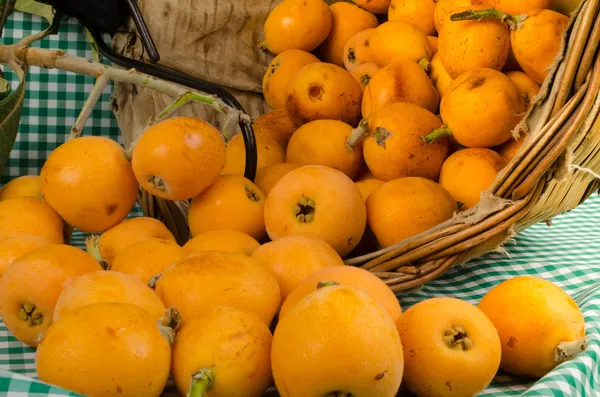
pixel 568 253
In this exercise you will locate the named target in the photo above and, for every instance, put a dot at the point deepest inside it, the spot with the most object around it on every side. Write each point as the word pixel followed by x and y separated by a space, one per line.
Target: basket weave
pixel 555 170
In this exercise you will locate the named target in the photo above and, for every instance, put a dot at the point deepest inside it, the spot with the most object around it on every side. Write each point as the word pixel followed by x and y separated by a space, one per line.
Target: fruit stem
pixel 92 246
pixel 339 394
pixel 169 323
pixel 358 135
pixel 425 64
pixel 153 280
pixel 201 382
pixel 514 22
pixel 567 350
pixel 381 135
pixel 262 45
pixel 437 134
pixel 172 318
pixel 323 284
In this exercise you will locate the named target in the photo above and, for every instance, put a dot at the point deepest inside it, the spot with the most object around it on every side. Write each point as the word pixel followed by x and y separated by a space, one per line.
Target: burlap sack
pixel 215 40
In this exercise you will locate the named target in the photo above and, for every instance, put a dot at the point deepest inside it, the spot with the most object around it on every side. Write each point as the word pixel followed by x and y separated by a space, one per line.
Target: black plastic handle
pixel 178 77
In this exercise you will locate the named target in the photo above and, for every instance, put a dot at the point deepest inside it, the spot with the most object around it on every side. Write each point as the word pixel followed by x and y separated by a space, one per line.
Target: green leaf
pixel 4 86
pixel 10 116
pixel 6 8
pixel 36 8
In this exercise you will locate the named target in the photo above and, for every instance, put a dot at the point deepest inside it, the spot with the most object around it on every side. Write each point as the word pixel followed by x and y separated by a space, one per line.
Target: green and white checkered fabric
pixel 568 253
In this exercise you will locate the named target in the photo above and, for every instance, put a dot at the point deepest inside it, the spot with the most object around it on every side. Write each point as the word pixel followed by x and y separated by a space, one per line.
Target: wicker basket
pixel 555 170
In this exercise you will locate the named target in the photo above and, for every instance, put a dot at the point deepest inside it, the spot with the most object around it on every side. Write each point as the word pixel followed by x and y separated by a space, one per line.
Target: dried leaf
pixel 36 8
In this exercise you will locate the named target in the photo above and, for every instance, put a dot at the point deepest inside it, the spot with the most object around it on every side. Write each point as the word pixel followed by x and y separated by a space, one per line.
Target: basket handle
pixel 184 79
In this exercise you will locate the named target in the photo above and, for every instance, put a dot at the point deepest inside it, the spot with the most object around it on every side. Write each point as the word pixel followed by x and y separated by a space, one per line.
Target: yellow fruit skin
pixel 350 276
pixel 531 330
pixel 234 344
pixel 232 203
pixel 417 12
pixel 516 7
pixel 323 91
pixel 221 240
pixel 400 81
pixel 374 6
pixel 391 209
pixel 443 9
pixel 468 173
pixel 468 45
pixel 297 24
pixel 105 287
pixel 482 107
pixel 324 142
pixel 433 40
pixel 439 76
pixel 399 39
pixel 146 258
pixel 23 186
pixel 337 339
pixel 368 186
pixel 90 183
pixel 347 20
pixel 402 153
pixel 31 216
pixel 219 278
pixel 186 154
pixel 528 87
pixel 364 73
pixel 268 177
pixel 269 152
pixel 106 350
pixel 340 223
pixel 12 248
pixel 537 42
pixel 432 368
pixel 280 72
pixel 510 148
pixel 292 259
pixel 357 50
pixel 37 278
pixel 275 125
pixel 129 232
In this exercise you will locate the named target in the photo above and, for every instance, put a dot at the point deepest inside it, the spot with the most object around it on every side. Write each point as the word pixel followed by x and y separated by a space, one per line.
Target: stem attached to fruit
pixel 358 135
pixel 172 318
pixel 262 45
pixel 201 382
pixel 181 101
pixel 92 246
pixel 339 394
pixel 153 280
pixel 381 135
pixel 514 22
pixel 456 338
pixel 169 324
pixel 437 134
pixel 567 350
pixel 425 64
pixel 31 314
pixel 323 284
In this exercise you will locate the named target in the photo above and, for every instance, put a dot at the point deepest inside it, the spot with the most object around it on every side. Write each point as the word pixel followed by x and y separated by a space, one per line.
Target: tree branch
pixel 58 59
pixel 100 85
